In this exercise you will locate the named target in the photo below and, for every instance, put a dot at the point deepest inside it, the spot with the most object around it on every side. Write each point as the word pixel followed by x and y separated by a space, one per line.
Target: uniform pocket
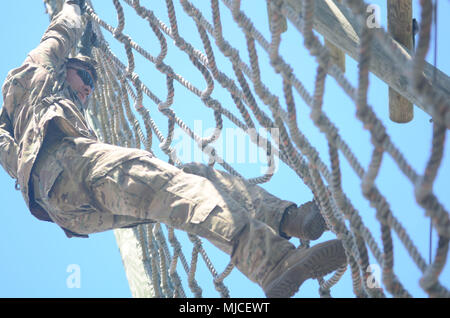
pixel 48 173
pixel 198 191
pixel 8 155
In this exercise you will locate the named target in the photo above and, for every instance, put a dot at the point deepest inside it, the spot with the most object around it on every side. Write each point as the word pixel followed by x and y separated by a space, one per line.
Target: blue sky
pixel 36 256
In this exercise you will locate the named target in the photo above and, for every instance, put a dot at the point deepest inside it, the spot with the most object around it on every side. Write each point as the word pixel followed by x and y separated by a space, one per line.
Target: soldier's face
pixel 80 82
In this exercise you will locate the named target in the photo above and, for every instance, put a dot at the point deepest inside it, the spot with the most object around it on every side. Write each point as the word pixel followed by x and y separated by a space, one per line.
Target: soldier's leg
pixel 151 189
pixel 283 216
pixel 86 199
pixel 59 186
pixel 259 203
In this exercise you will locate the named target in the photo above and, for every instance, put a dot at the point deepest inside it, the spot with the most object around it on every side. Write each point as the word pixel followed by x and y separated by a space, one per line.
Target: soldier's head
pixel 81 76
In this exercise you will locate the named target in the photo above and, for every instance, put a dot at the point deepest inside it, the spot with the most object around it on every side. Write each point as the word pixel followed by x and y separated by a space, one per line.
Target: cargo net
pixel 123 104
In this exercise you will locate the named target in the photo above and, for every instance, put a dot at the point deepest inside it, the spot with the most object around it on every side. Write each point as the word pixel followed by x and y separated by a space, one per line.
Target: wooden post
pixel 133 259
pixel 336 53
pixel 400 27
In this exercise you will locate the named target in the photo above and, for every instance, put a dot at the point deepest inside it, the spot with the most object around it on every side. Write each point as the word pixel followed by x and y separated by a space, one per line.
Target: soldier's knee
pixel 125 190
pixel 198 169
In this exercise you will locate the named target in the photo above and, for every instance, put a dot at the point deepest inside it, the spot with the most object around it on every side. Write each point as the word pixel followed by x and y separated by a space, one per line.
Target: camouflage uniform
pixel 68 177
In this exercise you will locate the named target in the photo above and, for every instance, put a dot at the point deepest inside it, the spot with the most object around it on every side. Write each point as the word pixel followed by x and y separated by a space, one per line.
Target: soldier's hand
pixel 80 3
pixel 88 40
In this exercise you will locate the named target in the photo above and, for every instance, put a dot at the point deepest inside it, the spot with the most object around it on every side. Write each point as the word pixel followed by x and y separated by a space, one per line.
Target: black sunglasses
pixel 85 77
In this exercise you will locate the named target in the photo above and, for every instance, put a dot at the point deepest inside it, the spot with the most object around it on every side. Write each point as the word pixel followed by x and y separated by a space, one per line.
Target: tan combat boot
pixel 300 264
pixel 304 222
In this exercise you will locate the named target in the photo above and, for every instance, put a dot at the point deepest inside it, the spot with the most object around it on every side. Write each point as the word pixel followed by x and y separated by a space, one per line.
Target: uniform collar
pixel 73 96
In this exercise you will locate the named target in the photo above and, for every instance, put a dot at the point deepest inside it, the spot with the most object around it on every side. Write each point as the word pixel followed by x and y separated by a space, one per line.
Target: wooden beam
pixel 400 16
pixel 337 24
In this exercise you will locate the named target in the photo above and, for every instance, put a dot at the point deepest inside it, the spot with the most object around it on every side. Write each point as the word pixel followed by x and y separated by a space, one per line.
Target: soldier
pixel 67 176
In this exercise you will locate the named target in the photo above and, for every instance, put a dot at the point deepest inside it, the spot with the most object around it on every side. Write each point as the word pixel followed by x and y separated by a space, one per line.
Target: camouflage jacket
pixel 35 94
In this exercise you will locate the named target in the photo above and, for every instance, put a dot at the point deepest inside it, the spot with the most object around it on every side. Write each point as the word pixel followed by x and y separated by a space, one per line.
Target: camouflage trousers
pixel 89 187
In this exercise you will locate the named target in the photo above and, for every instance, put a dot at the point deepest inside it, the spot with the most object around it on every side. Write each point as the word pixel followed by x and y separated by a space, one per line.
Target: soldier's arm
pixel 60 38
pixel 8 146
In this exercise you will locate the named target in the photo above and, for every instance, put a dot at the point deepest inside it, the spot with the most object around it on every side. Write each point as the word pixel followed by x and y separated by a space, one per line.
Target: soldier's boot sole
pixel 302 264
pixel 305 222
pixel 314 225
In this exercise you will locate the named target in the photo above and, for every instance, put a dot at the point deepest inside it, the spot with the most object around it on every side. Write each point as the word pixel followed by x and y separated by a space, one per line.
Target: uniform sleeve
pixel 59 39
pixel 8 146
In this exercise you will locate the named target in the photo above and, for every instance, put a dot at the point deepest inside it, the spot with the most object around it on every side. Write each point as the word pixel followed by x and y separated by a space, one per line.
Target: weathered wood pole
pixel 400 15
pixel 336 53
